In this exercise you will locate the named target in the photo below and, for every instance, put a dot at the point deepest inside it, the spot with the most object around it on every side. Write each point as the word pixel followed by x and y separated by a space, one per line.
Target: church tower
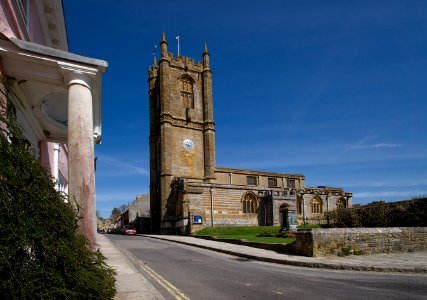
pixel 182 130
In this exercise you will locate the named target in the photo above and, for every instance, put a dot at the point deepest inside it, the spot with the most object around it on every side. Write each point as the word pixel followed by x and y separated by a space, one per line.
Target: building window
pixel 341 203
pixel 186 88
pixel 299 206
pixel 291 183
pixel 272 182
pixel 249 204
pixel 61 183
pixel 251 180
pixel 316 205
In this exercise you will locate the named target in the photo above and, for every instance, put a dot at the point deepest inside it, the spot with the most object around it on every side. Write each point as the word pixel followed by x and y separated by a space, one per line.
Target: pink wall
pixel 36 31
pixel 11 26
pixel 8 20
pixel 47 154
pixel 46 158
pixel 63 161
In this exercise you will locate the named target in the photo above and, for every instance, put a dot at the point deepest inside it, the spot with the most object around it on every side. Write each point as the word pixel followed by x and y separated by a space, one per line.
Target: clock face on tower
pixel 188 144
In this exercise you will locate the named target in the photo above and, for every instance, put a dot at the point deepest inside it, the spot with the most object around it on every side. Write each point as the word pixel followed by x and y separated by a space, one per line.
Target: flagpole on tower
pixel 177 38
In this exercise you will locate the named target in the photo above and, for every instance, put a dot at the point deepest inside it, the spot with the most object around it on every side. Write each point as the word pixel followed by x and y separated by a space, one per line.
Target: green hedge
pixel 42 255
pixel 399 214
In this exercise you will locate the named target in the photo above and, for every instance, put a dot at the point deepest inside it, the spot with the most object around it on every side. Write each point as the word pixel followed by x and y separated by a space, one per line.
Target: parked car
pixel 128 229
pixel 116 230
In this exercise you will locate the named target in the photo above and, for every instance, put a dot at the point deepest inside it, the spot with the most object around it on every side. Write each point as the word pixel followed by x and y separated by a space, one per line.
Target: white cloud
pixel 389 194
pixel 390 183
pixel 118 167
pixel 364 144
pixel 117 196
pixel 379 145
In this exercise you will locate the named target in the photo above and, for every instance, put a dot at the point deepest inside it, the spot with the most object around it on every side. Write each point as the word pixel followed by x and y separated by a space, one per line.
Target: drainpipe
pixel 212 208
pixel 56 165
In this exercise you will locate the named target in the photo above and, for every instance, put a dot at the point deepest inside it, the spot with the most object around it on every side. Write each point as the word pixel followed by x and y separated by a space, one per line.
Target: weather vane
pixel 177 38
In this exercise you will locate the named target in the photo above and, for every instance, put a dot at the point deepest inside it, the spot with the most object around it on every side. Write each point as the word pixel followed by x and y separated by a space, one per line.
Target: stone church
pixel 187 190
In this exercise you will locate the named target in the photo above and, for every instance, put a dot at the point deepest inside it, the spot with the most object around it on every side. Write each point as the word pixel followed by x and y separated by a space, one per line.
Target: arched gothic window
pixel 341 203
pixel 250 203
pixel 299 205
pixel 316 205
pixel 186 88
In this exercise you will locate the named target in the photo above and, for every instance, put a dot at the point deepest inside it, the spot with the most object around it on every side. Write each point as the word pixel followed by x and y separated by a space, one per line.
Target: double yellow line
pixel 173 290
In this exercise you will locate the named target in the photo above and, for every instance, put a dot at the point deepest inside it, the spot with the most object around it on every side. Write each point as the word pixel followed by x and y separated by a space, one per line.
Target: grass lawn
pixel 248 233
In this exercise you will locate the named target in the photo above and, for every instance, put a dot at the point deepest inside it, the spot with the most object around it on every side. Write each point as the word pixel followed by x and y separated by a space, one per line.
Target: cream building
pixel 187 190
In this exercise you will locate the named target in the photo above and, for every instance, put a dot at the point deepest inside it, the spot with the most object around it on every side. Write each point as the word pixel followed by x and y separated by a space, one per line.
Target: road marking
pixel 173 290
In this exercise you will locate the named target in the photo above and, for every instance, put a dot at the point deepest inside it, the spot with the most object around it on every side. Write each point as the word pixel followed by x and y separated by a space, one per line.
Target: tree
pixel 42 253
pixel 115 214
pixel 123 208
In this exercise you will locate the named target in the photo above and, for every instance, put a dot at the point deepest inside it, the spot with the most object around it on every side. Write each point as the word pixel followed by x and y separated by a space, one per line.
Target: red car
pixel 129 230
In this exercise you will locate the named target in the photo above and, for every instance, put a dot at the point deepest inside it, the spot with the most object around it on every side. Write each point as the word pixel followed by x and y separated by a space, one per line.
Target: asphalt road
pixel 204 274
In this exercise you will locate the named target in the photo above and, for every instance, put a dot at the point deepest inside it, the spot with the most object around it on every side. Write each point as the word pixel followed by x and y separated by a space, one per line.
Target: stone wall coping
pixel 251 172
pixel 233 186
pixel 315 231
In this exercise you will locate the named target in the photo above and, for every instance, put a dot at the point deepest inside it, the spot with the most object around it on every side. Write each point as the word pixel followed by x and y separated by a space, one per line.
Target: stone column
pixel 81 168
pixel 56 165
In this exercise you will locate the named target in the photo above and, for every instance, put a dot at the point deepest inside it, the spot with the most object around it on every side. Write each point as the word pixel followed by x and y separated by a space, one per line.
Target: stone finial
pixel 154 61
pixel 163 38
pixel 205 57
pixel 164 46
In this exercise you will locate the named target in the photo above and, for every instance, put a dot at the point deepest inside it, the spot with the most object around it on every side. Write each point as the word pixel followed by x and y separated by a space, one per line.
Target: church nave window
pixel 272 182
pixel 250 204
pixel 316 205
pixel 251 180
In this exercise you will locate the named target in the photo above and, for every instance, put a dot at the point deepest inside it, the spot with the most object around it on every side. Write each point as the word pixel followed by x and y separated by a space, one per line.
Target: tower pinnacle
pixel 163 46
pixel 205 58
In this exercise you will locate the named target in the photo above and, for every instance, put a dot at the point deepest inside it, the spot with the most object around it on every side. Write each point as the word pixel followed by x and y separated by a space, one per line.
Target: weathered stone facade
pixel 187 190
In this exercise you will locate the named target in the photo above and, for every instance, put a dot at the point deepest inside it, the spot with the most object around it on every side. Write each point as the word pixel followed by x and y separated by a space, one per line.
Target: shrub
pixel 400 214
pixel 42 255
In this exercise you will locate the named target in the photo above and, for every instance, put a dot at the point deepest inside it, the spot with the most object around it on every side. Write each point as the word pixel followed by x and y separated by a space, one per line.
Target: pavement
pixel 130 284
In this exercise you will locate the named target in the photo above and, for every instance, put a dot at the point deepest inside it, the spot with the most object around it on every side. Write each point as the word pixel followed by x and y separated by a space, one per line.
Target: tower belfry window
pixel 187 96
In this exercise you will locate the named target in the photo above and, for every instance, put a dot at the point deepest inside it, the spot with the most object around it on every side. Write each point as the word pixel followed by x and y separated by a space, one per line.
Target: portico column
pixel 81 169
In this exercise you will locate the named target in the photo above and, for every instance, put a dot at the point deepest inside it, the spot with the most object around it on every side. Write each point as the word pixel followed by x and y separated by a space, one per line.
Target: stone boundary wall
pixel 336 241
pixel 327 242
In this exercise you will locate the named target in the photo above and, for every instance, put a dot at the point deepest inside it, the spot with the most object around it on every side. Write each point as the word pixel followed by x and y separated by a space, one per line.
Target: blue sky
pixel 334 90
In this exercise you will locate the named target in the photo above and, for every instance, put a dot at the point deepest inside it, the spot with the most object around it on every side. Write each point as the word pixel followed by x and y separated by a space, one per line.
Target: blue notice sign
pixel 197 220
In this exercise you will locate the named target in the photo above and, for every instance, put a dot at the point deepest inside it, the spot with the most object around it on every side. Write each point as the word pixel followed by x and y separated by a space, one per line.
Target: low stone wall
pixel 336 241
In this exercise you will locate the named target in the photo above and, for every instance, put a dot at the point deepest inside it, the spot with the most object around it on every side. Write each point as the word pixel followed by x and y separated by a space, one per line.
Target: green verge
pixel 260 234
